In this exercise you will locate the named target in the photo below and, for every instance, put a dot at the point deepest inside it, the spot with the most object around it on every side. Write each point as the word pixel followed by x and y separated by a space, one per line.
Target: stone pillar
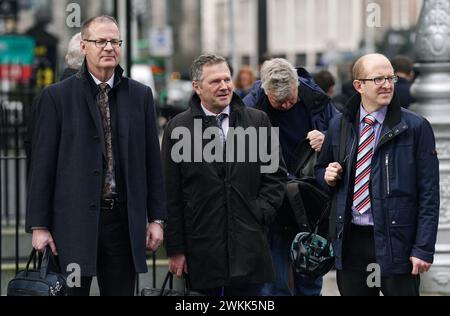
pixel 432 91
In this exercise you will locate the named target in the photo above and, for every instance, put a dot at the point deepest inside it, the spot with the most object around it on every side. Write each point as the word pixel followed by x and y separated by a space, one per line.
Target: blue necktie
pixel 219 119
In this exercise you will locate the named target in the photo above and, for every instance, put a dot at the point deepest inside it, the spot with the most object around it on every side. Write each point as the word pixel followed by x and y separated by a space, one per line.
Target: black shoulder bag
pixel 39 282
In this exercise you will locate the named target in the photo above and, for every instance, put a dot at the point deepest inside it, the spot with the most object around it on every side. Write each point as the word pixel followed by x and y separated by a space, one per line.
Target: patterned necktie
pixel 361 198
pixel 220 118
pixel 105 113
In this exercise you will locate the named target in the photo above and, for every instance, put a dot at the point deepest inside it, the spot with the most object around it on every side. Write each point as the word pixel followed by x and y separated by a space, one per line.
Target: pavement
pixel 329 287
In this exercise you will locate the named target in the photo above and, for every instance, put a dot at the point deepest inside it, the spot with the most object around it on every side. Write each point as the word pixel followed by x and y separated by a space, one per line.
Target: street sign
pixel 8 9
pixel 16 50
pixel 16 58
pixel 161 42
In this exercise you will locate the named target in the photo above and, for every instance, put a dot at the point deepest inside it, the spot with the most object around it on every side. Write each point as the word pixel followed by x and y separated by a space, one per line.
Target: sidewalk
pixel 329 287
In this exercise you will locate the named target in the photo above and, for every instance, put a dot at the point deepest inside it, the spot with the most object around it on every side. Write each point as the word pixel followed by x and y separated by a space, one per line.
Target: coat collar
pixel 83 74
pixel 393 115
pixel 236 105
pixel 123 98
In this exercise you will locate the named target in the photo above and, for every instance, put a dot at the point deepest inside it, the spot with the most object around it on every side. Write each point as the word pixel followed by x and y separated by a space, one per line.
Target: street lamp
pixel 432 91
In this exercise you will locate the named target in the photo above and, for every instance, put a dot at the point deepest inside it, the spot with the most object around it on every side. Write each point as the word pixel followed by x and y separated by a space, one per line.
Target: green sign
pixel 16 50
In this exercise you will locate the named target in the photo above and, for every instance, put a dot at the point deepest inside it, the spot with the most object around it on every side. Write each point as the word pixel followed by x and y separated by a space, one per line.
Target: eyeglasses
pixel 381 80
pixel 102 43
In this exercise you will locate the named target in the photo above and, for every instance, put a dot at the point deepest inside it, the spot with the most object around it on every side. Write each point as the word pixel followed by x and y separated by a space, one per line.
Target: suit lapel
pixel 123 112
pixel 93 108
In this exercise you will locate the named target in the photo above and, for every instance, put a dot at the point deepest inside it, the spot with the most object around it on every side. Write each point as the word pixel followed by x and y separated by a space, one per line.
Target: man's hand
pixel 333 173
pixel 316 139
pixel 419 266
pixel 155 236
pixel 177 264
pixel 41 239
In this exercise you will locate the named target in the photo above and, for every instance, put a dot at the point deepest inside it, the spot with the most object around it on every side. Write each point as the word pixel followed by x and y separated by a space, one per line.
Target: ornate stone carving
pixel 431 90
pixel 443 149
pixel 444 216
pixel 432 43
pixel 442 278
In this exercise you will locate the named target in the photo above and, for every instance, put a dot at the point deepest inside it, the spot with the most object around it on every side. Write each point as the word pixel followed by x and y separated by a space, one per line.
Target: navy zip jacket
pixel 313 110
pixel 404 186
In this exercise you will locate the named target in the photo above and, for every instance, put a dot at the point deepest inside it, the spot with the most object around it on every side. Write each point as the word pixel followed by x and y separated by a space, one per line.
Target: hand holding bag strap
pixel 47 257
pixel 303 158
pixel 342 159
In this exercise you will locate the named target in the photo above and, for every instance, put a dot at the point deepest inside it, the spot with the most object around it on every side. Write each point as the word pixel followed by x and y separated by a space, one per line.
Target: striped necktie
pixel 361 198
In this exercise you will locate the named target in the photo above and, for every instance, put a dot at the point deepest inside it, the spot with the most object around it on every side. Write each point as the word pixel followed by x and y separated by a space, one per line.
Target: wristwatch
pixel 160 222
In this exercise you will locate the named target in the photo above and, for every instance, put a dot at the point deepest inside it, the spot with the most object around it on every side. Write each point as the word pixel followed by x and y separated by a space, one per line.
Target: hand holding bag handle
pixel 30 258
pixel 47 257
pixel 169 277
pixel 43 262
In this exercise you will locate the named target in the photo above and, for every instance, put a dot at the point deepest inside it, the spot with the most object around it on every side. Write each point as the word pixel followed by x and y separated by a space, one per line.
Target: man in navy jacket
pixel 387 186
pixel 301 110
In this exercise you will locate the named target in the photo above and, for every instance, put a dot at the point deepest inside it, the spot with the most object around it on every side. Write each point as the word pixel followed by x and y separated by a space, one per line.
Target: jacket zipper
pixel 387 174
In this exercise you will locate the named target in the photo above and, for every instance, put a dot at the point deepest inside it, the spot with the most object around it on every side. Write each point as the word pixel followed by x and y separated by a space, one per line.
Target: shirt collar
pixel 226 111
pixel 379 115
pixel 110 82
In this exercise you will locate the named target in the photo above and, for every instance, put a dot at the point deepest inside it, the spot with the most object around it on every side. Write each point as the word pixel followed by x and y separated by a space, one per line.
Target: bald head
pixel 375 94
pixel 363 64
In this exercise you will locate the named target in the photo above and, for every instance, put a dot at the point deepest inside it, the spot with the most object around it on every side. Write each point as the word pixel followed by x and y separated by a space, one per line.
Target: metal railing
pixel 15 109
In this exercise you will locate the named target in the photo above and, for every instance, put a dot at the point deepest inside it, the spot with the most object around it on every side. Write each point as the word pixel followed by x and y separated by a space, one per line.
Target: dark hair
pixel 101 19
pixel 325 80
pixel 205 60
pixel 402 64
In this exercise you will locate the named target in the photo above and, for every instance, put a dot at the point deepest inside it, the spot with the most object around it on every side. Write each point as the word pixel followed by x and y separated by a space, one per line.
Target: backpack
pixel 312 253
pixel 307 201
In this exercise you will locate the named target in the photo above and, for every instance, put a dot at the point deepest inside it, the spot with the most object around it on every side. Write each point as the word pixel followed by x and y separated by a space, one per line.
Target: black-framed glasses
pixel 101 43
pixel 381 80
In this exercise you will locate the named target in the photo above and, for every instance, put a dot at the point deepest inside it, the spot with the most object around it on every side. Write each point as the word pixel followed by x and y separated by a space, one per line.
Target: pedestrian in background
pixel 387 186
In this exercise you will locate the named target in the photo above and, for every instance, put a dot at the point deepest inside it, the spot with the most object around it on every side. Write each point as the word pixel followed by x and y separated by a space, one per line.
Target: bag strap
pixel 342 159
pixel 187 284
pixel 297 206
pixel 47 257
pixel 302 162
pixel 30 258
pixel 169 276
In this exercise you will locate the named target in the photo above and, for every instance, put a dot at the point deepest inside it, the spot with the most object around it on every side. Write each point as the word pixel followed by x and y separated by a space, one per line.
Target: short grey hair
pixel 74 57
pixel 97 19
pixel 279 77
pixel 205 60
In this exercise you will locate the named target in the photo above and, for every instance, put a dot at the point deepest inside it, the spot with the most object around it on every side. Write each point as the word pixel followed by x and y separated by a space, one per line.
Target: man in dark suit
pixel 95 188
pixel 219 210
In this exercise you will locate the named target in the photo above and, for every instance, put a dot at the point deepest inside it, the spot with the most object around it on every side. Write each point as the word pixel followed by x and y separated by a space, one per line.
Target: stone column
pixel 432 91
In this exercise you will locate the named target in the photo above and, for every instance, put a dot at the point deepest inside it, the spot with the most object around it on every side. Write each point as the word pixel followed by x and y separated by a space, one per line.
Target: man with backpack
pixel 301 111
